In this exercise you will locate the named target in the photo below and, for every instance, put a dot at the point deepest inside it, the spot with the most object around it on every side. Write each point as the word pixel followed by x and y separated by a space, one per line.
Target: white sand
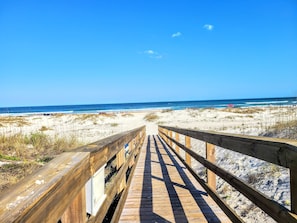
pixel 93 127
pixel 249 121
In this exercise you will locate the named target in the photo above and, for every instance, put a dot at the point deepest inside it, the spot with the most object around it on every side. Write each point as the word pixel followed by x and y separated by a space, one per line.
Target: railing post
pixel 188 145
pixel 120 159
pixel 210 156
pixel 170 142
pixel 293 186
pixel 131 152
pixel 177 139
pixel 76 212
pixel 166 133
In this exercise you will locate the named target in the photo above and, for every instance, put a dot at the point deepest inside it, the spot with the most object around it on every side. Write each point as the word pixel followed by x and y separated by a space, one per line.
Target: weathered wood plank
pixel 55 191
pixel 170 134
pixel 293 188
pixel 272 208
pixel 188 145
pixel 45 195
pixel 103 150
pixel 282 152
pixel 76 212
pixel 230 213
pixel 177 139
pixel 118 179
pixel 162 190
pixel 123 198
pixel 210 156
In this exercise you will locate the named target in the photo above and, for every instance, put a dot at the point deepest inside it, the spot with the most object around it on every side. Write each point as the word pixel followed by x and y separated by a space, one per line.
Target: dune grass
pixel 22 154
pixel 94 117
pixel 13 120
pixel 34 146
pixel 284 129
pixel 247 110
pixel 151 117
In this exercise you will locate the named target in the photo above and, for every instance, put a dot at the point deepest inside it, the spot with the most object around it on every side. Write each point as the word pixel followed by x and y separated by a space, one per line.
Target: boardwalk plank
pixel 163 190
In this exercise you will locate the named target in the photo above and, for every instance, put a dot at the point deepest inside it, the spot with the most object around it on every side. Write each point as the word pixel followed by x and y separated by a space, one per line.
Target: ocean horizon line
pixel 148 102
pixel 130 106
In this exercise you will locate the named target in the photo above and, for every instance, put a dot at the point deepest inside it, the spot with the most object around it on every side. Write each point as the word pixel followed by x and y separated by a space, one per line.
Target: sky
pixel 57 52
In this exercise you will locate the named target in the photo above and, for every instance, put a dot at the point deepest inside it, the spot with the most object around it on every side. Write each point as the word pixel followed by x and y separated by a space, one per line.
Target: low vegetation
pixel 248 110
pixel 285 129
pixel 44 128
pixel 151 117
pixel 13 120
pixel 94 117
pixel 84 117
pixel 114 124
pixel 127 114
pixel 167 110
pixel 107 114
pixel 21 154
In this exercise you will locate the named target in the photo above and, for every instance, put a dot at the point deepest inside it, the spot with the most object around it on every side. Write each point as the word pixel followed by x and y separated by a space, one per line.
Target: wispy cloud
pixel 174 35
pixel 208 27
pixel 153 54
pixel 150 52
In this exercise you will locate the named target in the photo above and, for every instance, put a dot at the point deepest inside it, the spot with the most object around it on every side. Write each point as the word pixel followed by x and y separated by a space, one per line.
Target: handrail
pixel 278 151
pixel 62 189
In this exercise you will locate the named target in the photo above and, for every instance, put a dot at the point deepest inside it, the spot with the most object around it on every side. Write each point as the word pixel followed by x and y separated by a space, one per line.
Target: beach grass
pixel 21 154
pixel 35 145
pixel 114 124
pixel 151 117
pixel 284 129
pixel 13 120
pixel 247 110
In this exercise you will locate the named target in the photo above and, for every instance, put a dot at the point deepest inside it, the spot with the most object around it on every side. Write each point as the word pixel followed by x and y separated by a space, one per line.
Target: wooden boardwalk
pixel 163 190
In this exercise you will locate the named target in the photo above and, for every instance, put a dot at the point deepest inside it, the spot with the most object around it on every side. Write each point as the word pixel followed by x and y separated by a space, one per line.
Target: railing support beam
pixel 76 212
pixel 120 161
pixel 170 142
pixel 278 151
pixel 188 145
pixel 177 139
pixel 293 186
pixel 210 156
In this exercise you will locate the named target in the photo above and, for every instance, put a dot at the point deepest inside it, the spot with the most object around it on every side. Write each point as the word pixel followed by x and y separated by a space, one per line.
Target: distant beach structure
pixel 173 105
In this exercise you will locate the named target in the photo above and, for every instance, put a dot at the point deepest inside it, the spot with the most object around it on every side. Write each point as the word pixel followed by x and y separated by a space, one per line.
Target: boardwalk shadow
pixel 146 206
pixel 147 214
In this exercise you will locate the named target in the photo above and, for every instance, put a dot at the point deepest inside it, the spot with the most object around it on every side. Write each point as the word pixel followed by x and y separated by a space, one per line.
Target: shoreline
pixel 140 110
pixel 142 106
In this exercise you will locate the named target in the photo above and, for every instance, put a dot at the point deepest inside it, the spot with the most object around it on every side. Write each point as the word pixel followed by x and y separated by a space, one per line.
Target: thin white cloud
pixel 208 27
pixel 153 54
pixel 174 35
pixel 150 52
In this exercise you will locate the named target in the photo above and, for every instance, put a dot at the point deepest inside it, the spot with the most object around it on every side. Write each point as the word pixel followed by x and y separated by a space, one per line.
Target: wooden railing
pixel 277 151
pixel 71 187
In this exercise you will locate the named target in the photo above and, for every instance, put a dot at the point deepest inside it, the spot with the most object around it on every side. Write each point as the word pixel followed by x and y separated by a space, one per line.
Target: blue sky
pixel 110 51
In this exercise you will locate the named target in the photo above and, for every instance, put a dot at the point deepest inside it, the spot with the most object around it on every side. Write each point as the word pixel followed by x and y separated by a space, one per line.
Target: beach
pixel 87 128
pixel 92 127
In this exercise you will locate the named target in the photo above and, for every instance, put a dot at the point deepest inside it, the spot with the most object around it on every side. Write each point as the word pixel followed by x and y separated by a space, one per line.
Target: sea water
pixel 174 105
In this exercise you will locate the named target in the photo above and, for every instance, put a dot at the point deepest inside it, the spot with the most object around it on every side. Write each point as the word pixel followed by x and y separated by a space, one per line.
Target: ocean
pixel 174 105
